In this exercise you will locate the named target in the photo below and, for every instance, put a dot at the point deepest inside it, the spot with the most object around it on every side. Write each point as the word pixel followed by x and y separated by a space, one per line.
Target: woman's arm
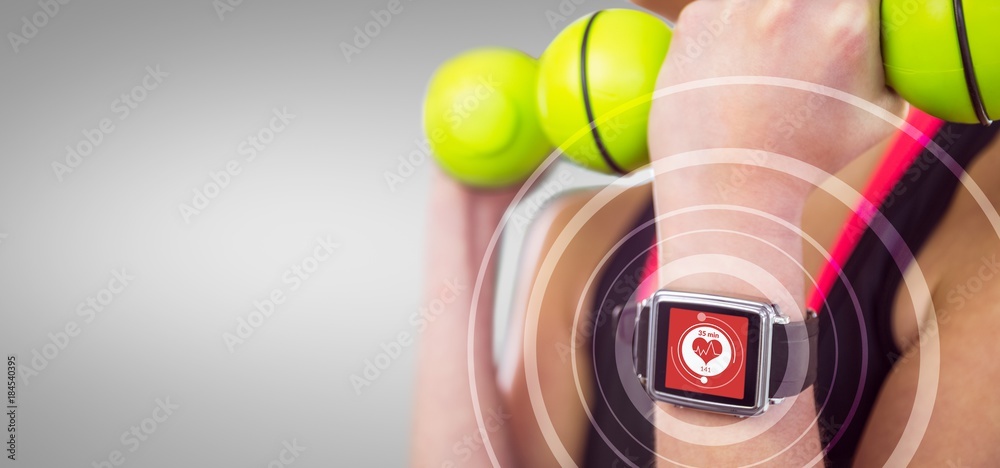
pixel 550 294
pixel 446 431
pixel 834 43
pixel 462 223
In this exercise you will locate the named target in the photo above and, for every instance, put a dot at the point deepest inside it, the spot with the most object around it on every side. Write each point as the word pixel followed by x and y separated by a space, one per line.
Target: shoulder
pixel 573 231
pixel 592 213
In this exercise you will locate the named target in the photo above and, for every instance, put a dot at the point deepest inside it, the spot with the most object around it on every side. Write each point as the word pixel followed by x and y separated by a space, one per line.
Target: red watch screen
pixel 707 353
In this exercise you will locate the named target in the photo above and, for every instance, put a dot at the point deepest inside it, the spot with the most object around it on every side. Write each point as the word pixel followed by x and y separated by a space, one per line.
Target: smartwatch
pixel 721 354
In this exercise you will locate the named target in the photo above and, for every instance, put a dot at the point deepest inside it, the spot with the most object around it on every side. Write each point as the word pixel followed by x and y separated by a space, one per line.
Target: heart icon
pixel 707 349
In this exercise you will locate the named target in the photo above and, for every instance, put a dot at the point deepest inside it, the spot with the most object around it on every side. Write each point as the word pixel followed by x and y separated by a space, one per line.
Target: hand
pixel 834 43
pixel 667 8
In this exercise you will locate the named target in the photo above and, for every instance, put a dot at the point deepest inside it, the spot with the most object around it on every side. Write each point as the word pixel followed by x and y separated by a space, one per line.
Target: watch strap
pixel 640 340
pixel 793 356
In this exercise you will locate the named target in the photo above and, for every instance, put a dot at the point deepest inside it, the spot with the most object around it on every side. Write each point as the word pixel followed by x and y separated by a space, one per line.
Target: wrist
pixel 732 234
pixel 751 184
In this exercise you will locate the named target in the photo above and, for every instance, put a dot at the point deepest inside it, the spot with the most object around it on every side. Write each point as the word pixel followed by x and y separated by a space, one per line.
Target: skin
pixel 733 118
pixel 668 9
pixel 964 417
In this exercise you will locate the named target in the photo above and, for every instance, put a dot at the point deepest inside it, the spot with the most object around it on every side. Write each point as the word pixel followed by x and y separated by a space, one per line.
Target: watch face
pixel 705 353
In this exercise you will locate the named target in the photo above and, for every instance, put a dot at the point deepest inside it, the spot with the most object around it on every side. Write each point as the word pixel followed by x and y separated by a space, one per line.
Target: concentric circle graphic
pixel 914 280
pixel 637 395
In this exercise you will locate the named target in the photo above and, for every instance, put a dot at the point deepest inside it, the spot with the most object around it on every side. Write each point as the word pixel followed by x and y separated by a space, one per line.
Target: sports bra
pixel 855 292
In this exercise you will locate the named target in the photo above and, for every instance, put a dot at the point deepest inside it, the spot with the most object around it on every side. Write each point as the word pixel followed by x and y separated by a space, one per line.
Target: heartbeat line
pixel 707 350
pixel 710 347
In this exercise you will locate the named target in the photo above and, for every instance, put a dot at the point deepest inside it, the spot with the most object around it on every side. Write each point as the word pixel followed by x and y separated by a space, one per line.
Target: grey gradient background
pixel 323 176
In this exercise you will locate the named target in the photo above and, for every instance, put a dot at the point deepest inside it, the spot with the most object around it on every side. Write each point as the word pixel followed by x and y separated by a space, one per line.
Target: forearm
pixel 738 240
pixel 462 225
pixel 751 220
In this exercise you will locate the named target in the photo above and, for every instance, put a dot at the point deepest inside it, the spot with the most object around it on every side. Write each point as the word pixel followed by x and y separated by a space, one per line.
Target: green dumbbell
pixel 497 134
pixel 938 56
pixel 944 59
pixel 602 61
pixel 481 118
